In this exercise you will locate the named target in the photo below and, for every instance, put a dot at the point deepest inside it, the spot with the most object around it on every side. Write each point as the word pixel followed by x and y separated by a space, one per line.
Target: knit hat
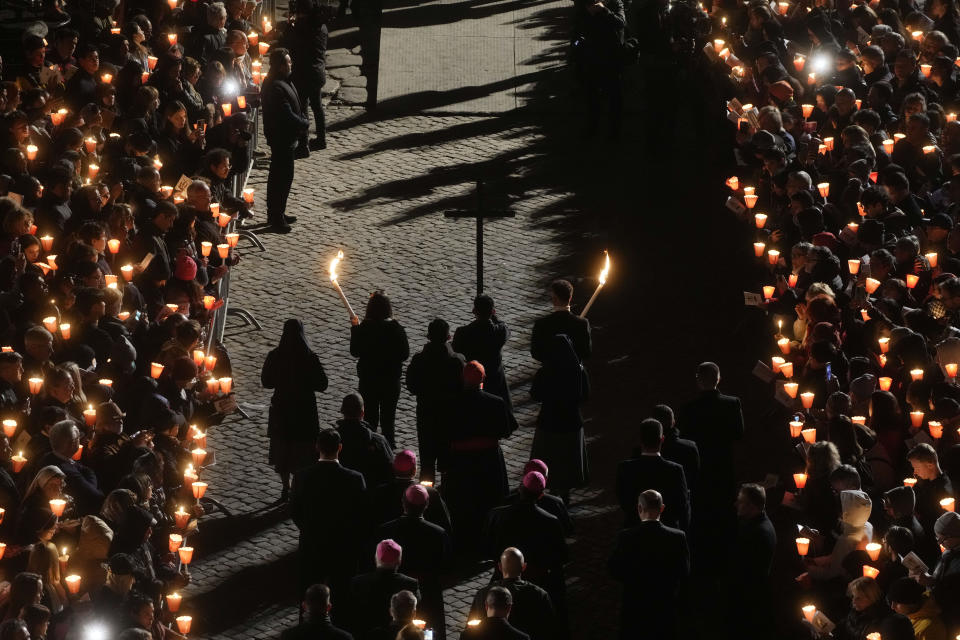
pixel 416 495
pixel 186 268
pixel 473 373
pixel 389 552
pixel 405 462
pixel 902 500
pixel 948 525
pixel 534 482
pixel 536 465
pixel 781 90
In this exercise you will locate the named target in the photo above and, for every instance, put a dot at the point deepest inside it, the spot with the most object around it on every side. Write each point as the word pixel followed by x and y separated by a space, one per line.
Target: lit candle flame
pixel 606 269
pixel 333 266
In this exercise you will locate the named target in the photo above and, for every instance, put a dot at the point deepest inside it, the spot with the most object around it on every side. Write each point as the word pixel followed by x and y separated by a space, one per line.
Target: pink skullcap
pixel 416 495
pixel 186 268
pixel 535 465
pixel 405 461
pixel 388 552
pixel 534 482
pixel 473 373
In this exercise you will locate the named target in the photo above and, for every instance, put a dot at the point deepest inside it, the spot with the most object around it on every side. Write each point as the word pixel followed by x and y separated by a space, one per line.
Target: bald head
pixel 511 563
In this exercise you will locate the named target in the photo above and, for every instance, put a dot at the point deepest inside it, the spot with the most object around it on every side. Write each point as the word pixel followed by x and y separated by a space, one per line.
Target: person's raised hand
pixel 354 320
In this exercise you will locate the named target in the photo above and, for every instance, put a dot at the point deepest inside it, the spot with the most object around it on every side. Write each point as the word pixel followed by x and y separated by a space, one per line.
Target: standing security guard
pixel 285 129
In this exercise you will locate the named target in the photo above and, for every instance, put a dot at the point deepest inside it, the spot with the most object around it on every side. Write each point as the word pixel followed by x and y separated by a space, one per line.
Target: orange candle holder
pixel 127 272
pixel 198 455
pixel 182 518
pixel 909 482
pixel 18 462
pixel 210 362
pixel 65 330
pixel 790 388
pixel 156 369
pixel 73 583
pixel 226 385
pixel 750 201
pixel 948 504
pixel 803 546
pixel 784 344
pixel 9 430
pixel 199 488
pixel 885 383
pixel 57 505
pixel 806 399
pixel 35 384
pixel 787 370
pixel 884 344
pixel 175 542
pixel 809 435
pixel 184 622
pixel 773 256
pixel 768 292
pixel 873 550
pixel 223 250
pixel 800 480
pixel 173 602
pixel 807 108
pixel 916 418
pixel 871 285
pixel 758 249
pixel 951 369
pixel 935 429
pixel 870 572
pixel 776 362
pixel 205 248
pixel 860 420
pixel 233 239
pixel 809 612
pixel 916 374
pixel 853 266
pixel 760 219
pixel 213 385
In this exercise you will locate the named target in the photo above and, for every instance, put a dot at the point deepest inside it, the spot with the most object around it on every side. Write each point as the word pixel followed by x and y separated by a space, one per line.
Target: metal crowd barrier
pixel 239 183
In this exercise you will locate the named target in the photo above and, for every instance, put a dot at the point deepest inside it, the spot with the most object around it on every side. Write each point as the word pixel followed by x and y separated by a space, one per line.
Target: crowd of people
pixel 126 132
pixel 374 561
pixel 842 125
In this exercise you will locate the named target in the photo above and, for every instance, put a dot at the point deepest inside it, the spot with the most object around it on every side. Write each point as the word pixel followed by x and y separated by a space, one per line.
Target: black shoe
pixel 282 227
pixel 301 153
pixel 317 144
pixel 244 215
pixel 289 219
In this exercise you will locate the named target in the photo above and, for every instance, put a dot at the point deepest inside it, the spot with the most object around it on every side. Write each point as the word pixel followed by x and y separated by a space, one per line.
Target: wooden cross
pixel 479 214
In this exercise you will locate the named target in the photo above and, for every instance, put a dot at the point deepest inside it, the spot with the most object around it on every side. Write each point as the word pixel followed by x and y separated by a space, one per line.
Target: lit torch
pixel 603 281
pixel 336 285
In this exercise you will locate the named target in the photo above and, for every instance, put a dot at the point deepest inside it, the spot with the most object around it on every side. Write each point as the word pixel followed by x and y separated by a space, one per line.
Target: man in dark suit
pixel 650 470
pixel 715 422
pixel 676 449
pixel 434 377
pixel 499 603
pixel 751 563
pixel 526 526
pixel 364 449
pixel 403 609
pixel 652 561
pixel 482 340
pixel 328 505
pixel 532 611
pixel 317 625
pixel 427 553
pixel 285 128
pixel 560 321
pixel 371 592
pixel 81 480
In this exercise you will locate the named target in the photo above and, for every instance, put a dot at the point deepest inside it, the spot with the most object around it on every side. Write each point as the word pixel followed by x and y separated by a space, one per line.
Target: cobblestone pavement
pixel 379 196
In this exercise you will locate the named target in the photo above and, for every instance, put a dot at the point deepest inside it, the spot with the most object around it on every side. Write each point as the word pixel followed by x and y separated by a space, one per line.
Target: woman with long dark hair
pixel 380 344
pixel 295 374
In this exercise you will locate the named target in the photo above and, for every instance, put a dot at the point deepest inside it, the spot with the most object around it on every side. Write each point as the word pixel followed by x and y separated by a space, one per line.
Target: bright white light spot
pixel 95 632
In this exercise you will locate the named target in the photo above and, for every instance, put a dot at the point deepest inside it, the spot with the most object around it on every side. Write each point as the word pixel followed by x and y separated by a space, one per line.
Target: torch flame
pixel 606 269
pixel 333 266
